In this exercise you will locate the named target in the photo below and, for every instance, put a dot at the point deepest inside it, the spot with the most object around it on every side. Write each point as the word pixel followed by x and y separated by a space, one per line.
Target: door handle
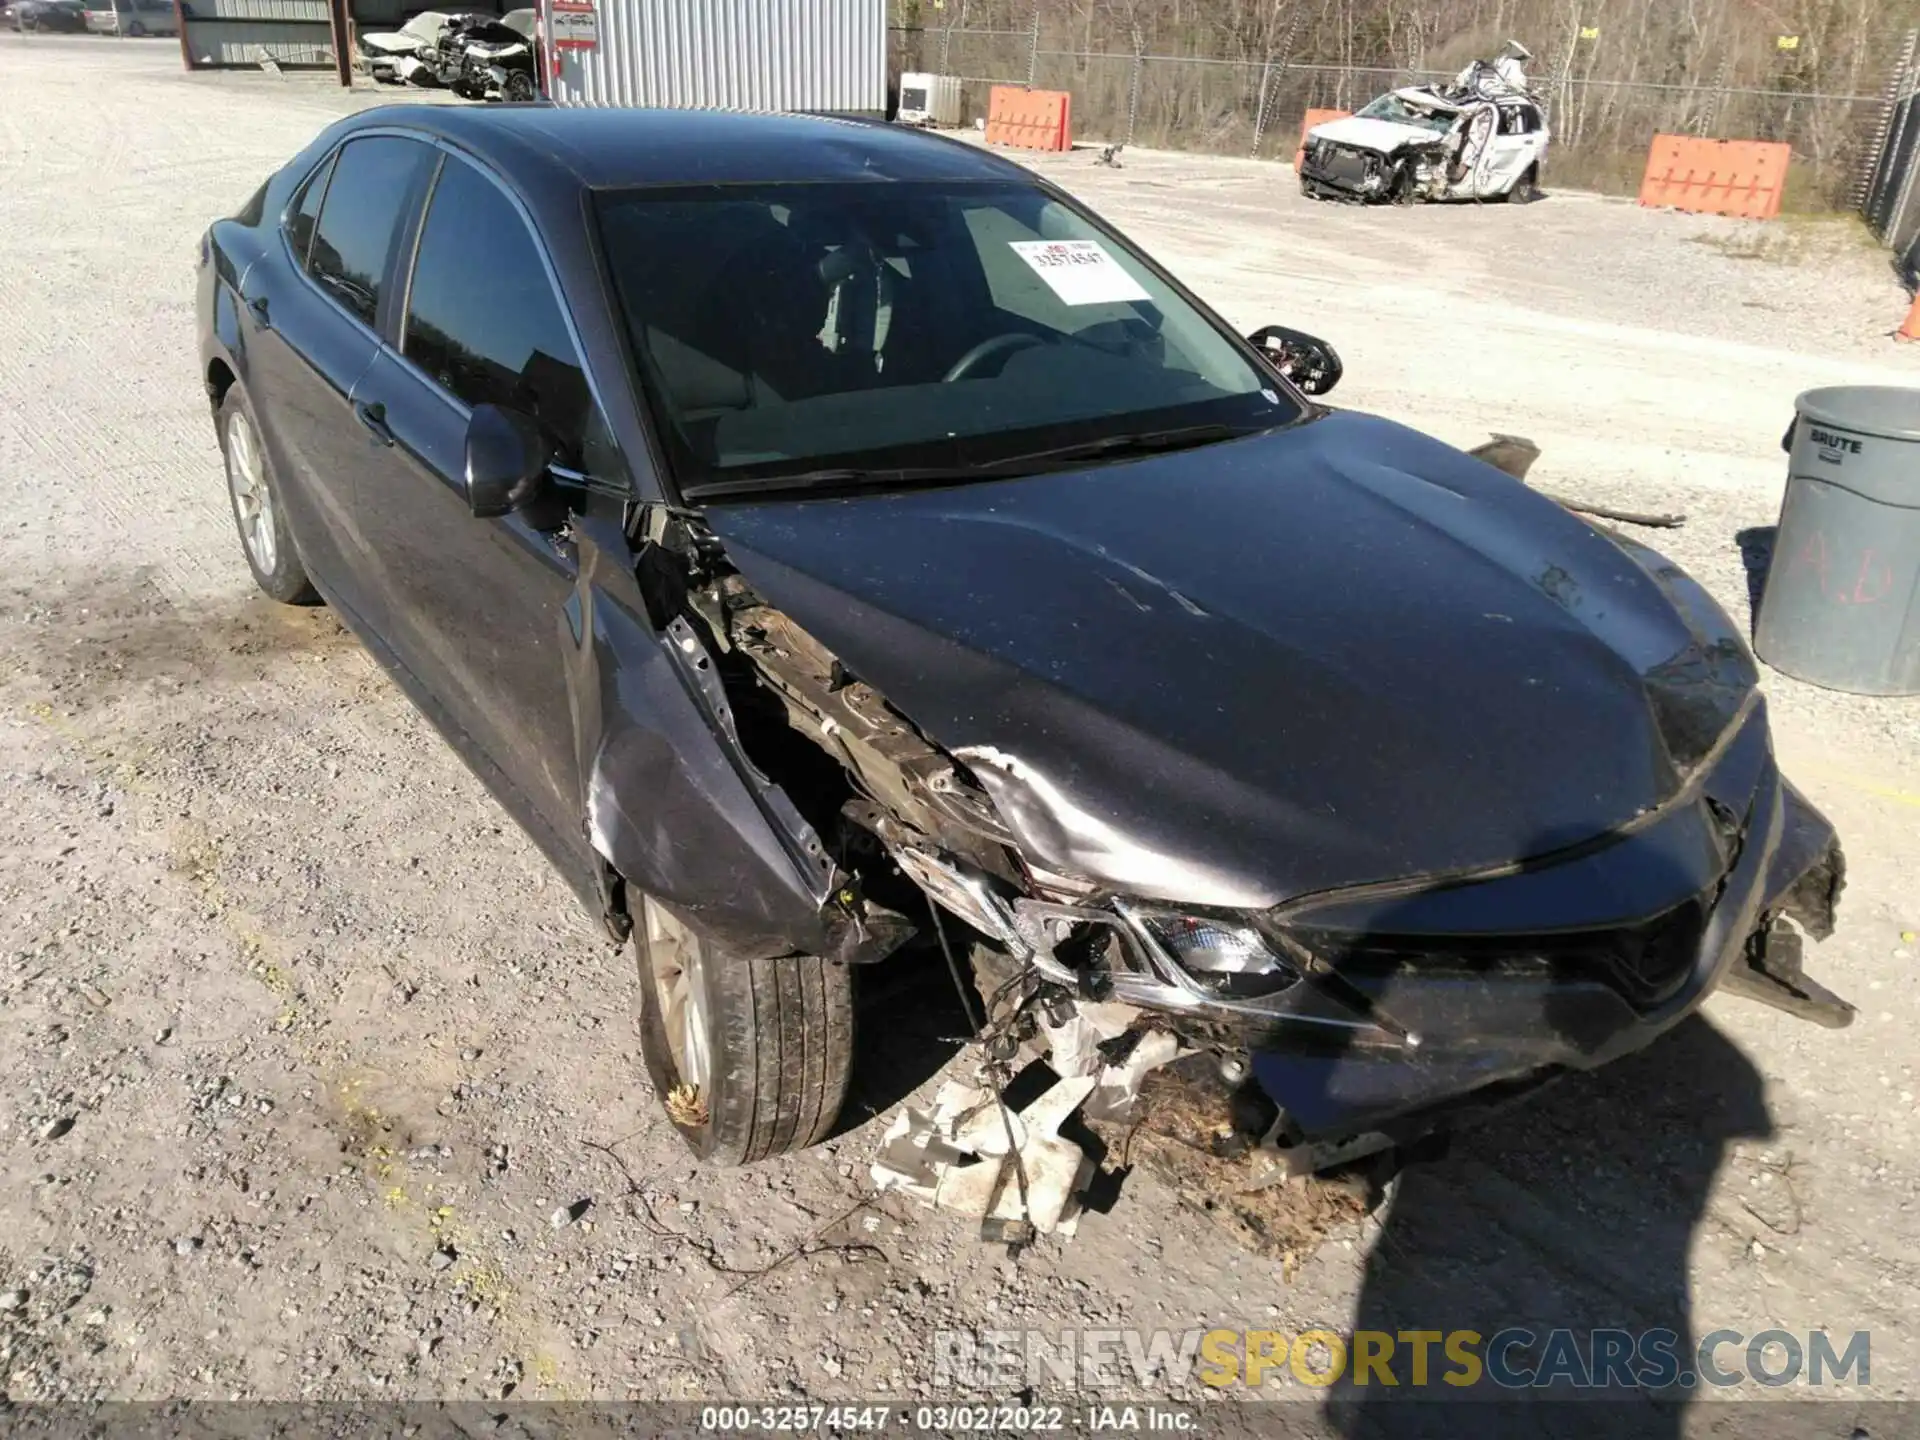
pixel 258 305
pixel 374 417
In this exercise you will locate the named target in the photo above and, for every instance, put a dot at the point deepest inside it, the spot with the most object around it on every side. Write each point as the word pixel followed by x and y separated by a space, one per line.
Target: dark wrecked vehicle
pixel 813 530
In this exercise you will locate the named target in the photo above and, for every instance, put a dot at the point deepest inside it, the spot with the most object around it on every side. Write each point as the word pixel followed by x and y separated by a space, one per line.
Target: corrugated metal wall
pixel 245 32
pixel 733 55
pixel 214 43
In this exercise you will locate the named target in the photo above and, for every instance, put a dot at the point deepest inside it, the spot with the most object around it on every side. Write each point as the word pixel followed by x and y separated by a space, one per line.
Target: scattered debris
pixel 960 1156
pixel 567 1214
pixel 1514 455
pixel 55 1128
pixel 1182 1139
pixel 686 1106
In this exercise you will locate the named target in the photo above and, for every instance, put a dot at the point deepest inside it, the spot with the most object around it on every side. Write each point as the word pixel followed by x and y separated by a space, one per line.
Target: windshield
pixel 1392 107
pixel 789 330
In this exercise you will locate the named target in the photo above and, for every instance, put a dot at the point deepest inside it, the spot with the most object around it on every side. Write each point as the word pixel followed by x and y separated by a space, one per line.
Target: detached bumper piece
pixel 1773 975
pixel 1013 1172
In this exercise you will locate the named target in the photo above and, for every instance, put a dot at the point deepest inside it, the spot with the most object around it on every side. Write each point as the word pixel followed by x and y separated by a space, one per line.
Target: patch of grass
pixel 1792 239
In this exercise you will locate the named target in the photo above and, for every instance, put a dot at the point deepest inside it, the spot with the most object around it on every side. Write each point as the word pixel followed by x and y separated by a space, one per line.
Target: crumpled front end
pixel 1360 1020
pixel 1366 862
pixel 1333 170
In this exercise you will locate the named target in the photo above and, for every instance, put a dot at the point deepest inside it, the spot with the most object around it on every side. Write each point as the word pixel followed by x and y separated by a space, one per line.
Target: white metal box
pixel 929 100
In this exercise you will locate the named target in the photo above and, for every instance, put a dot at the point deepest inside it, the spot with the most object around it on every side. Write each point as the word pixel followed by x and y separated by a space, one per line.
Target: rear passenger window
pixel 483 319
pixel 372 182
pixel 306 210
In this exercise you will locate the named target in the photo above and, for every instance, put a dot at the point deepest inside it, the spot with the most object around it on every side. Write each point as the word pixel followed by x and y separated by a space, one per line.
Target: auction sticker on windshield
pixel 1080 272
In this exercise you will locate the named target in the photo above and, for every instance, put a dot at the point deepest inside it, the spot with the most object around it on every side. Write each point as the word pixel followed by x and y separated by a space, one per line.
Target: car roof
pixel 612 147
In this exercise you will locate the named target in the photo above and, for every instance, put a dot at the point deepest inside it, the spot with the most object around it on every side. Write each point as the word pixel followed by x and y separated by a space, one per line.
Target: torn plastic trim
pixel 1775 975
pixel 670 803
pixel 802 840
pixel 858 931
pixel 1809 869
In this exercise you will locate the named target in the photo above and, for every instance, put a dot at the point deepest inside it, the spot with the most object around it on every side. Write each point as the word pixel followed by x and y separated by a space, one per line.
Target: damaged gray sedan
pixel 828 539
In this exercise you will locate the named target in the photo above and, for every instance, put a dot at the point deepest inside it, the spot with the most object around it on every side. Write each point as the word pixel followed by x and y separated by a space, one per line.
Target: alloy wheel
pixel 677 960
pixel 252 498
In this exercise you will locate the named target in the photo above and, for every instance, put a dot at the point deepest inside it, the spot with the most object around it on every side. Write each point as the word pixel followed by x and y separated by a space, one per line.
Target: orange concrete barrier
pixel 1030 119
pixel 1910 327
pixel 1716 177
pixel 1313 118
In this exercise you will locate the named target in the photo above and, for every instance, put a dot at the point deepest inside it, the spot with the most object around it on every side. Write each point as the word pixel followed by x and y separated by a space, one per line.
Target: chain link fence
pixel 1602 127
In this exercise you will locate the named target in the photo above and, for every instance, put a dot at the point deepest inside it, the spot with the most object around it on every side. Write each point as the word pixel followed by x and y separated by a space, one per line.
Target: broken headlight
pixel 1225 958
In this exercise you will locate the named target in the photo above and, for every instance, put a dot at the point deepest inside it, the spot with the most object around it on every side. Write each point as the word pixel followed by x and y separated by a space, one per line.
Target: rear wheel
pixel 257 512
pixel 750 1058
pixel 1526 189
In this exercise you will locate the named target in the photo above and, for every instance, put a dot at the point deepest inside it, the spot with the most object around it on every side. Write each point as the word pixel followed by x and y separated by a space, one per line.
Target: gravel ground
pixel 316 1084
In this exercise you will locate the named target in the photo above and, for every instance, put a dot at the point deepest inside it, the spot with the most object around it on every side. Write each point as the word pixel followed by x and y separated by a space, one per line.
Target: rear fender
pixel 670 801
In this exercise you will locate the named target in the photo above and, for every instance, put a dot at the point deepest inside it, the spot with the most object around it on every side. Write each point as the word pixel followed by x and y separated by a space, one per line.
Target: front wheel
pixel 519 87
pixel 749 1058
pixel 136 30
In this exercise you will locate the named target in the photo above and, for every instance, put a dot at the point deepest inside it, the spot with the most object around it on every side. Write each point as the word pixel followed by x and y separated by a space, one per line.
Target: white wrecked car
pixel 394 56
pixel 1483 137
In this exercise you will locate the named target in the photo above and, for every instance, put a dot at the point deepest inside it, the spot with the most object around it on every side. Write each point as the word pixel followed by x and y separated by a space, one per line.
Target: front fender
pixel 671 802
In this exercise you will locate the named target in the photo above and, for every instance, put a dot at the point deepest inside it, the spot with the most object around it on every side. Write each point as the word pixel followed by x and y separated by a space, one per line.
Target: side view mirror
pixel 1307 360
pixel 507 460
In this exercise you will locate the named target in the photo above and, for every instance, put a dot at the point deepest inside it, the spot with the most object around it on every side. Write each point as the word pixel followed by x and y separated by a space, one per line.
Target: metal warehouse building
pixel 727 54
pixel 720 54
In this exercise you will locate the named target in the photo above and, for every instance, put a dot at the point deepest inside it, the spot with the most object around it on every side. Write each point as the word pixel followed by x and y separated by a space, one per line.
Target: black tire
pixel 276 565
pixel 136 31
pixel 1526 189
pixel 778 1037
pixel 519 87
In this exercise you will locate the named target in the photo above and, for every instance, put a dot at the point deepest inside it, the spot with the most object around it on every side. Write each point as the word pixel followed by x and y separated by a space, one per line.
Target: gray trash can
pixel 1842 601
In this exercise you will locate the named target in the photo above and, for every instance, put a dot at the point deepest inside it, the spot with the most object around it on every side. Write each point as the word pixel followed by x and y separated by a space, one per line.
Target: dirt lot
pixel 302 1049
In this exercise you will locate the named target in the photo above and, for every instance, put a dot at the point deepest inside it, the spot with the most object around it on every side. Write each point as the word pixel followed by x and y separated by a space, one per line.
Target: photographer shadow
pixel 1574 1210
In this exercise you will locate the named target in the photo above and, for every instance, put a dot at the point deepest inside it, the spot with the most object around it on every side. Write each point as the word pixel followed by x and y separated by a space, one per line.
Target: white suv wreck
pixel 1483 137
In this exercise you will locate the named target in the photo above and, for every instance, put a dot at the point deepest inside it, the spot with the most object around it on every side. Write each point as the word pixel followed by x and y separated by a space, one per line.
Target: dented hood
pixel 1329 655
pixel 1363 132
